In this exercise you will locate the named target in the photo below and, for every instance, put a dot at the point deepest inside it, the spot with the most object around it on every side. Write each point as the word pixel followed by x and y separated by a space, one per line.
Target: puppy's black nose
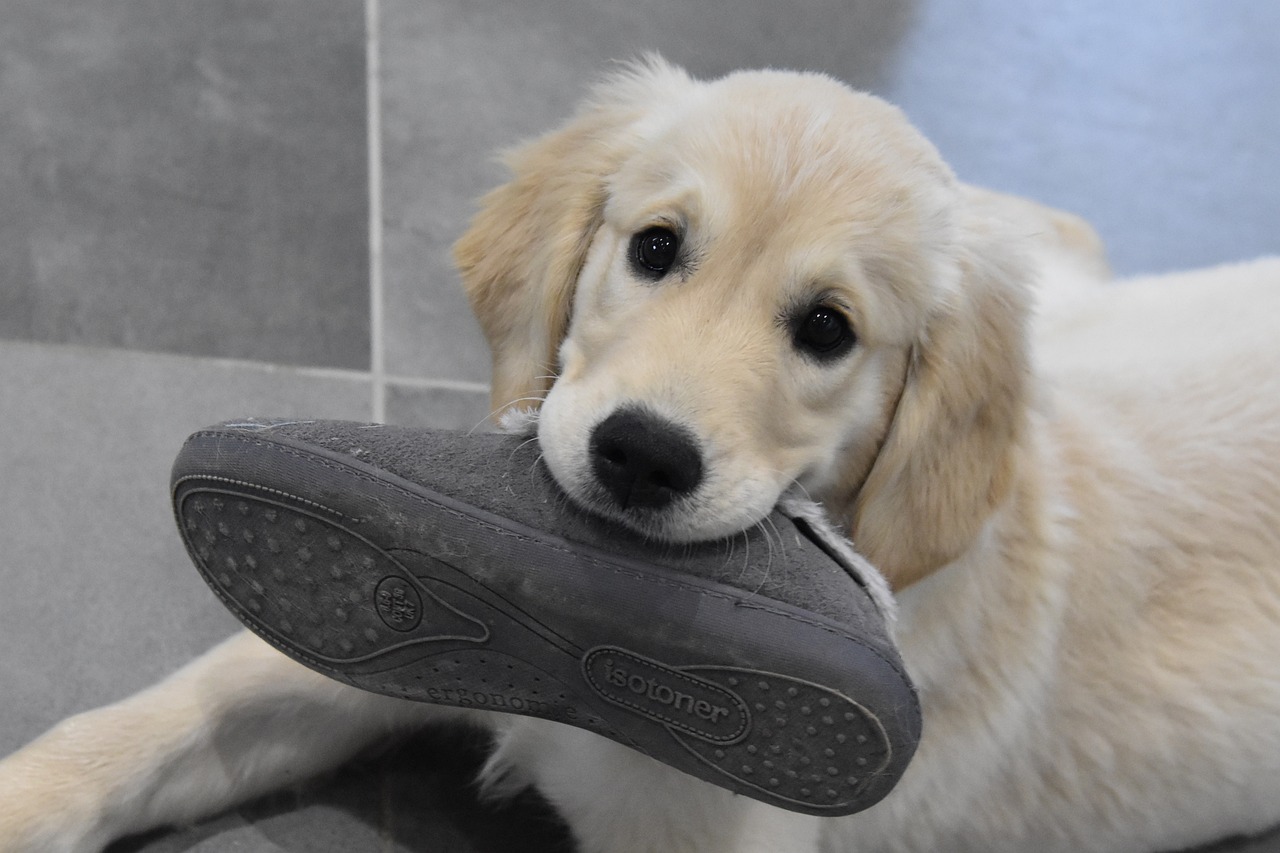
pixel 643 460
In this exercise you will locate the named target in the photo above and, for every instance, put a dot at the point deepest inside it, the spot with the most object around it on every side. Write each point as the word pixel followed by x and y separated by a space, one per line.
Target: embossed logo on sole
pixel 668 696
pixel 399 604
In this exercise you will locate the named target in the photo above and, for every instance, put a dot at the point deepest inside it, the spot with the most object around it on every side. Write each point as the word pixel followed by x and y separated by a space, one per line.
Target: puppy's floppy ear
pixel 948 459
pixel 522 254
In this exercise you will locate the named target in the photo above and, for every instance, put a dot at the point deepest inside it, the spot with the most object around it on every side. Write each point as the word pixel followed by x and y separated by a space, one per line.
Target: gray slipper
pixel 449 568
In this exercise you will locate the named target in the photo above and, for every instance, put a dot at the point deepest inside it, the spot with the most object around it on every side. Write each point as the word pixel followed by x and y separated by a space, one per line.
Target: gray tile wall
pixel 191 176
pixel 1157 119
pixel 187 176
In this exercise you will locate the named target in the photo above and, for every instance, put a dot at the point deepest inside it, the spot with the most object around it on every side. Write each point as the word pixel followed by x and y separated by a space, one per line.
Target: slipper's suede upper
pixel 778 559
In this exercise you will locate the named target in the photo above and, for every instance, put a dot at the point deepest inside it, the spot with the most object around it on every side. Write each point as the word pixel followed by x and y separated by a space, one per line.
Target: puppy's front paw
pixel 42 833
pixel 40 825
pixel 45 806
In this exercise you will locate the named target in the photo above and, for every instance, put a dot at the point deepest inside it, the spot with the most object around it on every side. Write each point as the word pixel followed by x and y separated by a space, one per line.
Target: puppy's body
pixel 1096 671
pixel 1080 510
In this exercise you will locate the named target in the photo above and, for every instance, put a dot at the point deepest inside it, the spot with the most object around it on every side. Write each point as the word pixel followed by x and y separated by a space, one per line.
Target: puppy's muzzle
pixel 644 461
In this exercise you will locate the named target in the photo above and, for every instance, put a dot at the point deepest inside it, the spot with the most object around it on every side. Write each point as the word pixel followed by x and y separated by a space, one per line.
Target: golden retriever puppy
pixel 1079 511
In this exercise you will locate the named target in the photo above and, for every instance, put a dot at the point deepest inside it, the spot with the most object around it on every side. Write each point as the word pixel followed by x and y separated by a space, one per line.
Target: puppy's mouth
pixel 652 475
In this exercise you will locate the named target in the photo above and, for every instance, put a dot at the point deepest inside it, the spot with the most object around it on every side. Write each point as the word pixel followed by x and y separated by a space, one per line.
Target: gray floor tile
pixel 100 598
pixel 186 176
pixel 438 407
pixel 430 331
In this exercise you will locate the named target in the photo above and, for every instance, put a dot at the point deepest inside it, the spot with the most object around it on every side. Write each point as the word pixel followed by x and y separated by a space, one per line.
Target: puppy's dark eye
pixel 824 332
pixel 654 250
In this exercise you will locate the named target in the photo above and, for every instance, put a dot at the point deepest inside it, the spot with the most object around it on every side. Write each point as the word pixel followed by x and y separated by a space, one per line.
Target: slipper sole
pixel 385 585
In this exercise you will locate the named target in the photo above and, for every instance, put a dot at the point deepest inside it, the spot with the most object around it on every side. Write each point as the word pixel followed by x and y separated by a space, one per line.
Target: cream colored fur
pixel 1079 509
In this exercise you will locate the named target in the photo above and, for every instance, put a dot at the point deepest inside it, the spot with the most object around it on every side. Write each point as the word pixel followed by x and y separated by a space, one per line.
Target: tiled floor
pixel 188 189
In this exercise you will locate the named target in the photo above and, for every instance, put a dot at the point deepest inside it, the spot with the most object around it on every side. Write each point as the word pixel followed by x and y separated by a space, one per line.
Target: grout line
pixel 344 374
pixel 426 383
pixel 373 131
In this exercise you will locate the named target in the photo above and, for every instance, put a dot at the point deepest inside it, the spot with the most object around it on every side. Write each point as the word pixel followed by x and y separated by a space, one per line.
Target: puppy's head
pixel 718 290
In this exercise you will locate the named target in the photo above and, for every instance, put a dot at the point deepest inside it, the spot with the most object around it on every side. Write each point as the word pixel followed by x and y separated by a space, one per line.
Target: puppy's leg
pixel 618 801
pixel 236 722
